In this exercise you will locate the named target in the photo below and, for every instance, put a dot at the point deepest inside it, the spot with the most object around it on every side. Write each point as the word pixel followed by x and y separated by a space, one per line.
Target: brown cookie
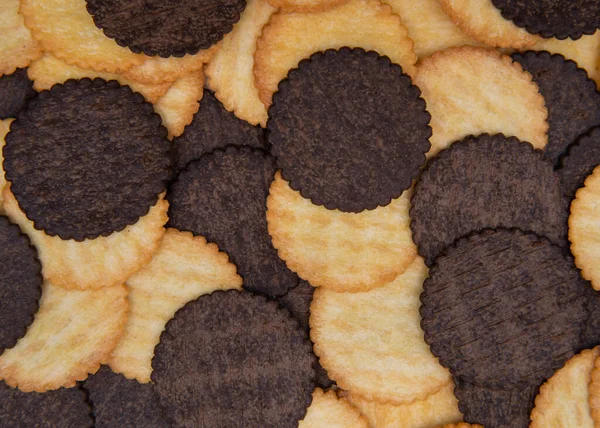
pixel 349 129
pixel 156 27
pixel 590 335
pixel 234 359
pixel 15 90
pixel 503 308
pixel 223 196
pixel 87 158
pixel 482 182
pixel 572 99
pixel 581 159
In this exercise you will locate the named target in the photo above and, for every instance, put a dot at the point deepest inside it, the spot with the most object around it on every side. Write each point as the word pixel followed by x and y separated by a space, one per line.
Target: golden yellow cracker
pixel 178 106
pixel 73 332
pixel 481 20
pixel 66 29
pixel 564 400
pixel 229 73
pixel 372 343
pixel 184 268
pixel 4 128
pixel 17 47
pixel 327 410
pixel 437 409
pixel 594 392
pixel 93 263
pixel 306 6
pixel 584 229
pixel 289 38
pixel 474 90
pixel 337 250
pixel 48 70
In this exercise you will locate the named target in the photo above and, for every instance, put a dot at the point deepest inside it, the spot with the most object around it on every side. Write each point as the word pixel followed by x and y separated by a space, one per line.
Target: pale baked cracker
pixel 594 392
pixel 66 29
pixel 93 263
pixel 337 250
pixel 184 268
pixel 305 6
pixel 289 38
pixel 437 409
pixel 17 46
pixel 564 400
pixel 229 73
pixel 73 332
pixel 584 229
pixel 327 410
pixel 475 90
pixel 48 70
pixel 4 128
pixel 178 106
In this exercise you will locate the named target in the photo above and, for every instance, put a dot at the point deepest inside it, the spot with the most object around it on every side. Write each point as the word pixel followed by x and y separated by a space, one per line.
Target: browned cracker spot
pixel 73 332
pixel 16 43
pixel 289 38
pixel 305 6
pixel 15 91
pixel 594 391
pixel 328 410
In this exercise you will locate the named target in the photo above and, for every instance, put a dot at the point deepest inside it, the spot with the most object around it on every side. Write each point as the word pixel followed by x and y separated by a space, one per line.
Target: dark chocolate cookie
pixel 571 97
pixel 582 157
pixel 166 28
pixel 349 129
pixel 213 128
pixel 223 197
pixel 234 359
pixel 486 182
pixel 15 90
pixel 503 308
pixel 87 159
pixel 590 335
pixel 20 283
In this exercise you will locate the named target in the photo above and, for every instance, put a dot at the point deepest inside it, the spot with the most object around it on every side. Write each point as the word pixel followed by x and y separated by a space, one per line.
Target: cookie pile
pixel 307 213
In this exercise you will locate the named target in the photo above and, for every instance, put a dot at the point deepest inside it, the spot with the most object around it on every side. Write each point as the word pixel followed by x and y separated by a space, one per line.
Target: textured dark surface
pixel 15 90
pixel 121 402
pixel 553 18
pixel 213 128
pixel 223 197
pixel 20 283
pixel 503 308
pixel 249 364
pixel 486 182
pixel 87 158
pixel 590 335
pixel 571 97
pixel 581 159
pixel 349 129
pixel 166 28
pixel 63 408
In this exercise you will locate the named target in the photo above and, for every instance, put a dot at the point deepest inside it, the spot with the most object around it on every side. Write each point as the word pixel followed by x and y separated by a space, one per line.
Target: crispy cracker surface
pixel 229 73
pixel 337 250
pixel 594 392
pixel 73 332
pixel 564 400
pixel 289 38
pixel 327 410
pixel 17 47
pixel 93 263
pixel 474 90
pixel 305 6
pixel 4 128
pixel 372 343
pixel 184 268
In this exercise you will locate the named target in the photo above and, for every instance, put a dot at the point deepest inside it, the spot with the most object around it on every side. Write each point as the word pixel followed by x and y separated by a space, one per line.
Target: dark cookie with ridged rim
pixel 582 157
pixel 212 128
pixel 20 283
pixel 64 408
pixel 572 99
pixel 349 129
pixel 482 182
pixel 223 197
pixel 15 90
pixel 590 336
pixel 156 27
pixel 503 308
pixel 87 158
pixel 121 402
pixel 553 18
pixel 249 364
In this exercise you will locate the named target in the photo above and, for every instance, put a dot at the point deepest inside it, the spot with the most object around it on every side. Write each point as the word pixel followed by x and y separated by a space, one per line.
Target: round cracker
pixel 328 410
pixel 474 90
pixel 289 38
pixel 594 391
pixel 73 332
pixel 336 250
pixel 306 6
pixel 17 45
pixel 564 400
pixel 93 263
pixel 372 344
pixel 184 268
